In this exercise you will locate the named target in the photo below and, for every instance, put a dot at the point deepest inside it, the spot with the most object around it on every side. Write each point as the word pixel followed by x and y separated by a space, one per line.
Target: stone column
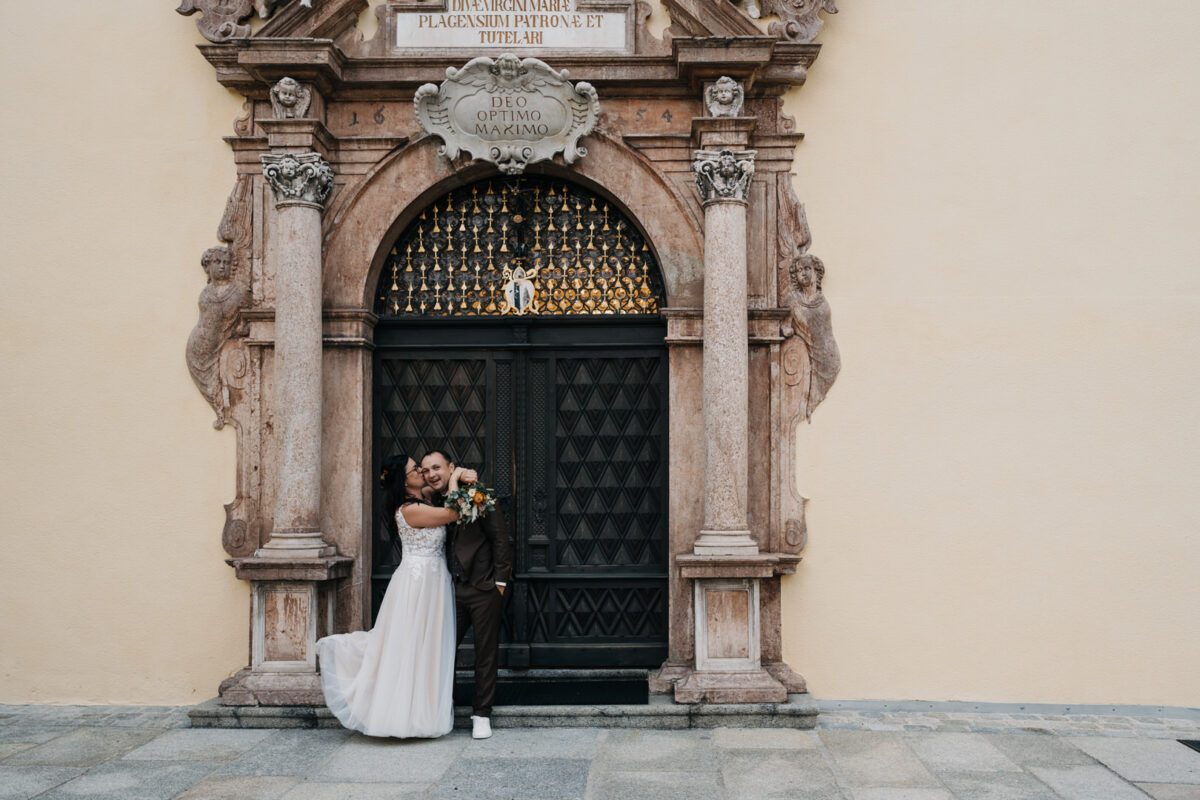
pixel 301 183
pixel 723 178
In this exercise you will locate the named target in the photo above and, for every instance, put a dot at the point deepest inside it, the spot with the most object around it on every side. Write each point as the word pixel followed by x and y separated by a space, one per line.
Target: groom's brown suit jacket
pixel 482 547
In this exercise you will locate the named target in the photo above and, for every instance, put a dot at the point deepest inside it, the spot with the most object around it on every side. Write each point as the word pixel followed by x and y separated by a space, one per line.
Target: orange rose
pixel 478 498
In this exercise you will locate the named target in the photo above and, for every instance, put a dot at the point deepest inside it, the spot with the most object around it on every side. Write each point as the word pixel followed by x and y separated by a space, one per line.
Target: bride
pixel 397 679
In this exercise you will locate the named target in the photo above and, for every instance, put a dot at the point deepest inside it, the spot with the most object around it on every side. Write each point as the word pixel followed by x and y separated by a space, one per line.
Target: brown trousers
pixel 481 609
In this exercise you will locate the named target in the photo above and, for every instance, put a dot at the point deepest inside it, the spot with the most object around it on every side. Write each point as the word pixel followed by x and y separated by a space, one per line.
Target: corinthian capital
pixel 723 175
pixel 298 178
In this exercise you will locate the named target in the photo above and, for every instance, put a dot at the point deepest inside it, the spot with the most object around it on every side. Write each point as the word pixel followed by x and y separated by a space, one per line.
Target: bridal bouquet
pixel 471 502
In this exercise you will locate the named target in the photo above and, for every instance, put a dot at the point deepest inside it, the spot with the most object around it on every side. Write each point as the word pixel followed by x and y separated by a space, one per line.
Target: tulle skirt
pixel 397 679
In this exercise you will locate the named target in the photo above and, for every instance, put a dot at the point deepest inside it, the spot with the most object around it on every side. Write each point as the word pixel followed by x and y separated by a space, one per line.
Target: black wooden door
pixel 567 419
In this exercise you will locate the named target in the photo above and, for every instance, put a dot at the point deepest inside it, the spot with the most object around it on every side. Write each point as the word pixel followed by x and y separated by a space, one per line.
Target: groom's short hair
pixel 441 453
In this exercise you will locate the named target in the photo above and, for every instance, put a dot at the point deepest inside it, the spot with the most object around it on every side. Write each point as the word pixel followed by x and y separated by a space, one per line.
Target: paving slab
pixel 532 742
pixel 1171 791
pixel 19 783
pixel 669 751
pixel 1087 783
pixel 368 759
pixel 515 779
pixel 84 747
pixel 1040 750
pixel 1149 760
pixel 196 745
pixel 995 786
pixel 288 752
pixel 959 752
pixel 10 748
pixel 874 759
pixel 765 739
pixel 312 790
pixel 132 780
pixel 23 733
pixel 239 787
pixel 643 785
pixel 799 774
pixel 897 793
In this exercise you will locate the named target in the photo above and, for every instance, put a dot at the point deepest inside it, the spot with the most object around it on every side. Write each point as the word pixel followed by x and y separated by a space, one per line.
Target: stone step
pixel 800 711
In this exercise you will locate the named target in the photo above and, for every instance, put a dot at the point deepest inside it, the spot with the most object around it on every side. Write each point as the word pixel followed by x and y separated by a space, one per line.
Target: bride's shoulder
pixel 401 513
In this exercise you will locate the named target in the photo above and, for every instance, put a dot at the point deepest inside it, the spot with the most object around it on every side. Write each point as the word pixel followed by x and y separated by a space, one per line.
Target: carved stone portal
pixel 289 316
pixel 512 112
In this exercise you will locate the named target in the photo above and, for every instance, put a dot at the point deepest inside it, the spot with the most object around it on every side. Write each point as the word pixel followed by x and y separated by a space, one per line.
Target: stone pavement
pixel 140 753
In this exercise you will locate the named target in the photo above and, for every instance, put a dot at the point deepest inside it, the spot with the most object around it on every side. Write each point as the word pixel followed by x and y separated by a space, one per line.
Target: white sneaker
pixel 481 727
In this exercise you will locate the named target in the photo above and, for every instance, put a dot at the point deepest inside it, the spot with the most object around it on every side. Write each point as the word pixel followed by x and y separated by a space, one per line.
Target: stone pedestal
pixel 292 605
pixel 728 598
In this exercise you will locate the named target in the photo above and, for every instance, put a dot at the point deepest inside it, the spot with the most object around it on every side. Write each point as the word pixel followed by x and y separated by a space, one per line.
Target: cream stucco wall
pixel 115 177
pixel 1001 479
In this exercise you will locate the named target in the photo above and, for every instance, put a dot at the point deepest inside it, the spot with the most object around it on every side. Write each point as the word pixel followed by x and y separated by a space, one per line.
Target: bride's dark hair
pixel 393 480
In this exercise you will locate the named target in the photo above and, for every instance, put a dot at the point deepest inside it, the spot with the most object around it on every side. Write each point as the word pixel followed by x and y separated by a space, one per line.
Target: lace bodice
pixel 420 541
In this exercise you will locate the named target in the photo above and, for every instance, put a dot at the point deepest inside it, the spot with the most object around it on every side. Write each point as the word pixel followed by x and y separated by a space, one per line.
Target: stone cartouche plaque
pixel 512 112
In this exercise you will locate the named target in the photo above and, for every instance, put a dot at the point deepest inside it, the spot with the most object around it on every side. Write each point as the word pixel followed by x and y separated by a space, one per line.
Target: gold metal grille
pixel 519 246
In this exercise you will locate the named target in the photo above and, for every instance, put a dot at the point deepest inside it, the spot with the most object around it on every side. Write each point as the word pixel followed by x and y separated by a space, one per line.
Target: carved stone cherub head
pixel 728 165
pixel 507 68
pixel 807 272
pixel 290 99
pixel 724 98
pixel 218 264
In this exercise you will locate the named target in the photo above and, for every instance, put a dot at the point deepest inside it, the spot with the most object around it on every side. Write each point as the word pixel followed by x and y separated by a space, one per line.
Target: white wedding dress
pixel 397 679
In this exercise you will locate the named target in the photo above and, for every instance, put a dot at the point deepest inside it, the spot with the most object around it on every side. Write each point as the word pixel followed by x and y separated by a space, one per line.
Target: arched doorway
pixel 520 330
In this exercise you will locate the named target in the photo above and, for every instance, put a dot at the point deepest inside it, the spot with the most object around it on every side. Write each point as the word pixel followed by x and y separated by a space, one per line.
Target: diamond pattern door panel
pixel 597 576
pixel 609 467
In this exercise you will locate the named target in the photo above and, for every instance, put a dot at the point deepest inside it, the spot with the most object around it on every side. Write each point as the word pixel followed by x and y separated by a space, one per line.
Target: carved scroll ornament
pixel 512 112
pixel 298 178
pixel 723 175
pixel 222 20
pixel 799 20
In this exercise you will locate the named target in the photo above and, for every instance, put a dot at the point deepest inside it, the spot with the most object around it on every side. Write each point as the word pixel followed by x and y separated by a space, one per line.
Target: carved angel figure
pixel 219 305
pixel 290 99
pixel 811 359
pixel 724 98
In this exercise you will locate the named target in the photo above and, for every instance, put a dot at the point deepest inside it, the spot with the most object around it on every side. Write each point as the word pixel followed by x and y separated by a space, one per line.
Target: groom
pixel 480 557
